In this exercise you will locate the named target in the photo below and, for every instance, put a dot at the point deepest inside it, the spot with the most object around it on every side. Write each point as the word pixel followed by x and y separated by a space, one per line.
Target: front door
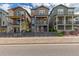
pixel 45 28
pixel 42 28
pixel 15 30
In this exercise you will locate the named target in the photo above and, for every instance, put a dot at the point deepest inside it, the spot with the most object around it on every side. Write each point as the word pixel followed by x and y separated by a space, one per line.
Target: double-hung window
pixel 60 11
pixel 41 12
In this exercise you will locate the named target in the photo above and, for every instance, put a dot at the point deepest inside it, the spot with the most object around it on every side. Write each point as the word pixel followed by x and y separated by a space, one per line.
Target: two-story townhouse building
pixel 76 23
pixel 21 19
pixel 3 21
pixel 40 22
pixel 61 18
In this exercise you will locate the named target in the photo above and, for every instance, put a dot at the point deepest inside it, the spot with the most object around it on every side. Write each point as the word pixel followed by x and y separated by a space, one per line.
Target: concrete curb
pixel 39 40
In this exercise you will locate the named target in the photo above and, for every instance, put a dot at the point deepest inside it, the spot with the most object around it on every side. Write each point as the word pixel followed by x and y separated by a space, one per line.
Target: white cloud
pixel 26 7
pixel 39 4
pixel 49 5
pixel 5 6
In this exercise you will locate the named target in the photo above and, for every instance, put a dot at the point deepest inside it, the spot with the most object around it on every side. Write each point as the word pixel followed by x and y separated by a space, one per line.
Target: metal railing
pixel 28 34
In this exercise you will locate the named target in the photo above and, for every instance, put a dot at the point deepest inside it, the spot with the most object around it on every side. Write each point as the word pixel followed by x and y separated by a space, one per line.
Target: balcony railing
pixel 68 27
pixel 68 22
pixel 16 24
pixel 42 14
pixel 60 22
pixel 61 27
pixel 42 23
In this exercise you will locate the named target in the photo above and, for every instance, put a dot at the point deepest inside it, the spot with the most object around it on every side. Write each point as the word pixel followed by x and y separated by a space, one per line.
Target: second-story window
pixel 3 23
pixel 33 21
pixel 41 12
pixel 60 11
pixel 0 14
pixel 18 13
pixel 22 12
pixel 70 11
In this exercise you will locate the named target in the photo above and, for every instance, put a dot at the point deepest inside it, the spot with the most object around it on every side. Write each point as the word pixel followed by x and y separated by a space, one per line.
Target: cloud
pixel 39 4
pixel 5 6
pixel 26 7
pixel 50 5
pixel 76 6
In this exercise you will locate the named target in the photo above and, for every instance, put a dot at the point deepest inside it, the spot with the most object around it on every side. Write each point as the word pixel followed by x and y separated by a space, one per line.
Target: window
pixel 60 11
pixel 22 12
pixel 70 11
pixel 68 27
pixel 45 21
pixel 61 27
pixel 60 20
pixel 3 23
pixel 3 14
pixel 0 14
pixel 17 22
pixel 41 12
pixel 33 21
pixel 18 13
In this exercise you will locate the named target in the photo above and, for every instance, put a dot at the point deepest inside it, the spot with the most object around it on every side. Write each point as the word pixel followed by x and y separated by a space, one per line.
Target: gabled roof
pixel 40 7
pixel 21 8
pixel 63 6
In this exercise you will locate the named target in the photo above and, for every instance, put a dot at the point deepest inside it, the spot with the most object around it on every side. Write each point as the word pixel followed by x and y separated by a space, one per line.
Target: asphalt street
pixel 40 50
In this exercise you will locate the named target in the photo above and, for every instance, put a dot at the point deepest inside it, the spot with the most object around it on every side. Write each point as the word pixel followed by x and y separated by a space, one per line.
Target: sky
pixel 28 6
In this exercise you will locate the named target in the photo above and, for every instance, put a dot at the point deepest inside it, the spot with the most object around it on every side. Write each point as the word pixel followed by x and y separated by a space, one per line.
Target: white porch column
pixel 20 25
pixel 48 18
pixel 72 23
pixel 35 28
pixel 57 23
pixel 64 23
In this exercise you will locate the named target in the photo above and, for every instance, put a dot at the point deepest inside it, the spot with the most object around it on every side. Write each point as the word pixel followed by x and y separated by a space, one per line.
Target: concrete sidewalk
pixel 39 40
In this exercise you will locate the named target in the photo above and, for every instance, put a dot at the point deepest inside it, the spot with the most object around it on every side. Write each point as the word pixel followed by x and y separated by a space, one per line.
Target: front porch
pixel 64 23
pixel 41 29
pixel 42 24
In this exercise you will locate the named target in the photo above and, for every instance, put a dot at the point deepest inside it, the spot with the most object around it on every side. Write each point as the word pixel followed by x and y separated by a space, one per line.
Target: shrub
pixel 60 33
pixel 52 30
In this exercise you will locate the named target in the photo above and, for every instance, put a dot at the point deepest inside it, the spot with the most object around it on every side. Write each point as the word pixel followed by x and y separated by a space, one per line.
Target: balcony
pixel 68 22
pixel 60 27
pixel 42 15
pixel 15 25
pixel 68 27
pixel 41 22
pixel 60 22
pixel 14 17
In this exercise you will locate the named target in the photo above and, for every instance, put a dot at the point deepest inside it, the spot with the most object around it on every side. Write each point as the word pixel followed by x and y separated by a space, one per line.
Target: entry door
pixel 45 28
pixel 15 30
pixel 42 29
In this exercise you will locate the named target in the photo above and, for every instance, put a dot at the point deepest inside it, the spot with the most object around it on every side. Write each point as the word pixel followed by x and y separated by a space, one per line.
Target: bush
pixel 60 33
pixel 52 30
